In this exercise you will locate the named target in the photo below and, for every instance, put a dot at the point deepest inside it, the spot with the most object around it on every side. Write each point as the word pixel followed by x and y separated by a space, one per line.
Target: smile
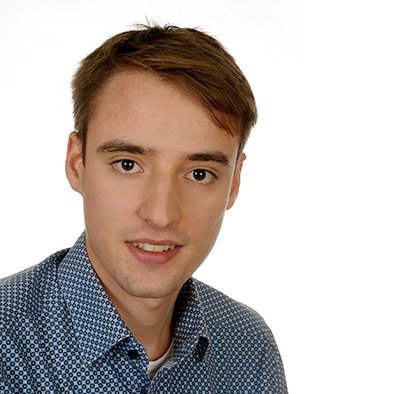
pixel 153 248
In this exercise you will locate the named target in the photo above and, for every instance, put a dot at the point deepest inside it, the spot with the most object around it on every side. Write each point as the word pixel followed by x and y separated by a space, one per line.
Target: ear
pixel 74 164
pixel 236 182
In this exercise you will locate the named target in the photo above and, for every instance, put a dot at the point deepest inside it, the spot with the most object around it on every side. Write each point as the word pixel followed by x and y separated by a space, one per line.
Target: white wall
pixel 309 242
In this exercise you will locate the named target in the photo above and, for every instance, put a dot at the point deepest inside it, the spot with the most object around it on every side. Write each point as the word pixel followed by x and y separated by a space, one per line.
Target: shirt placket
pixel 129 361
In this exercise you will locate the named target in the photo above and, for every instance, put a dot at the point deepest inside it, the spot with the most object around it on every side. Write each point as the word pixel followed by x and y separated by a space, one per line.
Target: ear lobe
pixel 74 163
pixel 236 182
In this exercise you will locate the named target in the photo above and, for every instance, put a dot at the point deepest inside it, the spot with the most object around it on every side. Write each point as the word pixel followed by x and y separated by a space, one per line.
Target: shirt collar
pixel 98 324
pixel 191 333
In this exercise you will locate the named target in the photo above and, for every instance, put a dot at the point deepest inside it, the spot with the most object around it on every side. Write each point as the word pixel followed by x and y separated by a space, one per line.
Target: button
pixel 133 354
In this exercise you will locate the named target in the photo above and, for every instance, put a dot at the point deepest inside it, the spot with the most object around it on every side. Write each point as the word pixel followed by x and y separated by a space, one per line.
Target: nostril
pixel 160 208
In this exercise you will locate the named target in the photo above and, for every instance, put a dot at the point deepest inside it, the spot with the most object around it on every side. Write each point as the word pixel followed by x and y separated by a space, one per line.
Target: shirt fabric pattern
pixel 60 333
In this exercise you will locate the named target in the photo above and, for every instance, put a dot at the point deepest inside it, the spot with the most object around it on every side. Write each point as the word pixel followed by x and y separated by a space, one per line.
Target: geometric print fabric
pixel 60 333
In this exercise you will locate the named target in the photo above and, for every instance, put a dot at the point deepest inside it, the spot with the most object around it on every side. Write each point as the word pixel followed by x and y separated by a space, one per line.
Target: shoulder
pixel 240 342
pixel 29 288
pixel 221 310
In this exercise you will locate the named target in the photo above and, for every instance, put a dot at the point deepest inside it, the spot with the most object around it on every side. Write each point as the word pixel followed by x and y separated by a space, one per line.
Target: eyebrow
pixel 217 157
pixel 122 146
pixel 113 146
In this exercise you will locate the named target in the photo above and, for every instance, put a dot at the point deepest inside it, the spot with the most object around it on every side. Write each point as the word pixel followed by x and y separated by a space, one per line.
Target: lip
pixel 155 241
pixel 154 258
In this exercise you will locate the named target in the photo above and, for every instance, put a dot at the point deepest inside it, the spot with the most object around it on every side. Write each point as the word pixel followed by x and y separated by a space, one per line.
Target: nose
pixel 161 203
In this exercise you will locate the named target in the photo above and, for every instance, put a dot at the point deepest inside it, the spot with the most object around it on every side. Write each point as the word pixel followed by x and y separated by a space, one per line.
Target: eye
pixel 127 165
pixel 201 176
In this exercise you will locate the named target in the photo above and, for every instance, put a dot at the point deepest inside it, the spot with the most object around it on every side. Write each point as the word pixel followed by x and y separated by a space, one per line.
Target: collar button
pixel 133 354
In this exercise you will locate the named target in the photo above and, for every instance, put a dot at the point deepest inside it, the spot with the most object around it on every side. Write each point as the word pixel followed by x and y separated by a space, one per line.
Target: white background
pixel 309 243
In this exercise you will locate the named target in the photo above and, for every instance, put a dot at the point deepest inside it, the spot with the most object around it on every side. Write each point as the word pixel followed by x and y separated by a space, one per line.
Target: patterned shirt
pixel 60 333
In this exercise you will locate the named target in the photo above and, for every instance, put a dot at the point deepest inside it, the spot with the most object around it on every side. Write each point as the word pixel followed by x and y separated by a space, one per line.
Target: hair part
pixel 187 57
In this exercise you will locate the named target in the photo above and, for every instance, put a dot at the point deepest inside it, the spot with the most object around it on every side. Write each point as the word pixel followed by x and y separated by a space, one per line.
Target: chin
pixel 152 289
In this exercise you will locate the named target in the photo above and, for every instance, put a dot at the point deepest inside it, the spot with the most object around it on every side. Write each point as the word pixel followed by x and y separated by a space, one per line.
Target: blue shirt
pixel 60 333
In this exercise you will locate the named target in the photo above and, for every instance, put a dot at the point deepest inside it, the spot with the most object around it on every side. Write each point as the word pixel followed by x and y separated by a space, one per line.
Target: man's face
pixel 157 179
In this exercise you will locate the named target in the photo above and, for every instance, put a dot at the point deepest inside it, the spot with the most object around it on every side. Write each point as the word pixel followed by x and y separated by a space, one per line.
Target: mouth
pixel 153 252
pixel 147 247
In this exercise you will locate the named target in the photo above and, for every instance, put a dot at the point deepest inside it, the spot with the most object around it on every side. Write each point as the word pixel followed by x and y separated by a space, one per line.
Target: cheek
pixel 103 203
pixel 206 234
pixel 208 214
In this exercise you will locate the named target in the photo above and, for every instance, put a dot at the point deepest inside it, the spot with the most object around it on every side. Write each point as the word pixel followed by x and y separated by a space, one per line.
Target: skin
pixel 156 169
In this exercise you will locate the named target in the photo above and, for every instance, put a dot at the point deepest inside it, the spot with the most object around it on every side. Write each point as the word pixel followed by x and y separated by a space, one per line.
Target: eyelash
pixel 127 173
pixel 214 176
pixel 124 172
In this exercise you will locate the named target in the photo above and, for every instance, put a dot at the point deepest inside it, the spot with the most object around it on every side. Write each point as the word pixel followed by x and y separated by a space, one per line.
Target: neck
pixel 150 320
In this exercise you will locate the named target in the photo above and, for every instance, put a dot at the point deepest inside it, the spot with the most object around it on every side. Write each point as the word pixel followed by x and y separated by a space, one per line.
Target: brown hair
pixel 188 57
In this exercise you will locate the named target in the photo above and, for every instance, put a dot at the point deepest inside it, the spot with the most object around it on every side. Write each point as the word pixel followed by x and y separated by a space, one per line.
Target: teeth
pixel 158 248
pixel 153 248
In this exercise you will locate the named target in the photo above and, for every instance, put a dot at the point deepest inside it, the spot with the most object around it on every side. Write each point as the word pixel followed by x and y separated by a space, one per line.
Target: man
pixel 161 116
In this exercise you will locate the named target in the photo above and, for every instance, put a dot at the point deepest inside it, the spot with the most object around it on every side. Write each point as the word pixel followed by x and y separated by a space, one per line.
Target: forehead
pixel 141 108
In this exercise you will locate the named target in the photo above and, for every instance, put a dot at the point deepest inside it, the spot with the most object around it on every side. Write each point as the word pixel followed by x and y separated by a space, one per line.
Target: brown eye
pixel 201 176
pixel 127 165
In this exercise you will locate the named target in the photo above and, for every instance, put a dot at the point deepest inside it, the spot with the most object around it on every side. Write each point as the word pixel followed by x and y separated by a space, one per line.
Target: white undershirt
pixel 153 366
